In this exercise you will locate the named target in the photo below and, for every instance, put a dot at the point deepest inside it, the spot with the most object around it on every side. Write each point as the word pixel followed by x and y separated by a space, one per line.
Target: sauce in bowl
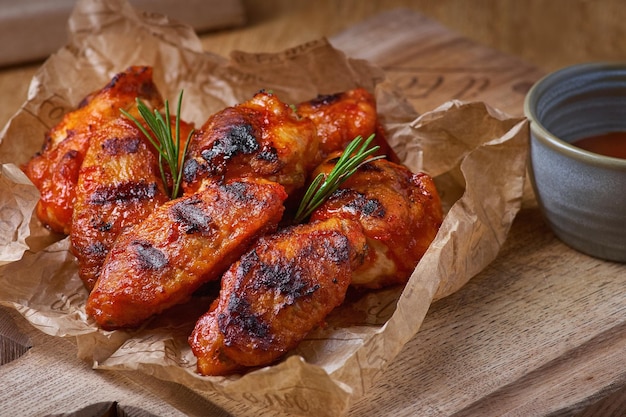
pixel 609 144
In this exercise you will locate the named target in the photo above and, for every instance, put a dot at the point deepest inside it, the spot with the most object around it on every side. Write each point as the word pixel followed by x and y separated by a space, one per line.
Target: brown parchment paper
pixel 476 153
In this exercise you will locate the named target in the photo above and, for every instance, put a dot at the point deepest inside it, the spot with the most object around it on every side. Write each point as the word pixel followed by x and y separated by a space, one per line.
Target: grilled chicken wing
pixel 262 137
pixel 54 170
pixel 399 211
pixel 119 184
pixel 283 287
pixel 341 117
pixel 184 243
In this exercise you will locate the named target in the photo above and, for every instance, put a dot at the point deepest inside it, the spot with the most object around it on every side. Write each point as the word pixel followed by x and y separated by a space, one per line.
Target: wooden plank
pixel 543 329
pixel 431 64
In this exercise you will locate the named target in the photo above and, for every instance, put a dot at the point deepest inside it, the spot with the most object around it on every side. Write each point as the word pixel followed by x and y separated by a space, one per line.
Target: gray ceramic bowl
pixel 582 194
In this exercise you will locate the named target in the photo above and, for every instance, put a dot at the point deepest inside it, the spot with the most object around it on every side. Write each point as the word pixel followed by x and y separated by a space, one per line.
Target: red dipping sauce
pixel 608 144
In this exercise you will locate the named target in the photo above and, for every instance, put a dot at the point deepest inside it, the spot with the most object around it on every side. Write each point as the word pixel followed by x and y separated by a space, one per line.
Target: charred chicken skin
pixel 262 137
pixel 119 184
pixel 400 213
pixel 55 169
pixel 181 245
pixel 279 290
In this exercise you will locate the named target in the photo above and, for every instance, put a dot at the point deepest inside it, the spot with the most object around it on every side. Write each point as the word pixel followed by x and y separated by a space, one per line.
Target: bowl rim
pixel 551 140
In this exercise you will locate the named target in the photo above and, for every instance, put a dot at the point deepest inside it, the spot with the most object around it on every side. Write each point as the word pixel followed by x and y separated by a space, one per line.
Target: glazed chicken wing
pixel 341 117
pixel 262 137
pixel 399 211
pixel 283 287
pixel 119 184
pixel 54 170
pixel 181 245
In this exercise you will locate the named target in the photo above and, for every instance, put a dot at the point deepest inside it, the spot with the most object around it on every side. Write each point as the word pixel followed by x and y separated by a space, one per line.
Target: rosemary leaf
pixel 159 133
pixel 356 154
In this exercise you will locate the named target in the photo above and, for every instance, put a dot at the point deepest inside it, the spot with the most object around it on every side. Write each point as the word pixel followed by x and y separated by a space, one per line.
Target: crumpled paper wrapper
pixel 476 154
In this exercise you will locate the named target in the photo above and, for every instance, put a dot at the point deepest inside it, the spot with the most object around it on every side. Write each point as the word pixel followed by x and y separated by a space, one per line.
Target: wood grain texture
pixel 547 34
pixel 540 331
pixel 431 64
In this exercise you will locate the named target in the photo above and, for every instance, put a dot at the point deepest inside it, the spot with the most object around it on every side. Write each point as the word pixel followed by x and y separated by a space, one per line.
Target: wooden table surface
pixel 542 331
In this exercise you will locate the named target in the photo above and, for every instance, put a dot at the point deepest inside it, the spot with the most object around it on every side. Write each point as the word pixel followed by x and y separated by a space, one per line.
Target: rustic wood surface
pixel 542 331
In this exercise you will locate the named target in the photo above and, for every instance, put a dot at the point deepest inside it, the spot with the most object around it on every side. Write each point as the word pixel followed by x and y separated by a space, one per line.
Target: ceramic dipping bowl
pixel 582 194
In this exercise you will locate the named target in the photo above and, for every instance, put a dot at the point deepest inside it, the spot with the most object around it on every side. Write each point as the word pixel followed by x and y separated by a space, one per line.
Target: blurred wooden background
pixel 546 33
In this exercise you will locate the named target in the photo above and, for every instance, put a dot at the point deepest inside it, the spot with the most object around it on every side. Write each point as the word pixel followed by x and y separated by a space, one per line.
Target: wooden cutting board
pixel 542 331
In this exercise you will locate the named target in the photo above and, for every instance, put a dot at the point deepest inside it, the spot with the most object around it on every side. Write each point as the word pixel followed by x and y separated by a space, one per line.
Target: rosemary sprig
pixel 353 157
pixel 166 143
